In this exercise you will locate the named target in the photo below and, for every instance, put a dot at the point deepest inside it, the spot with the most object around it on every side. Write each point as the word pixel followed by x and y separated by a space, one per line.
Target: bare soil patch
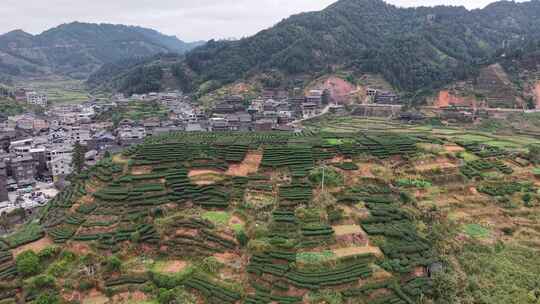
pixel 94 297
pixel 235 220
pixel 249 165
pixel 205 177
pixel 133 297
pixel 141 170
pixel 365 170
pixel 436 163
pixel 95 300
pixel 343 252
pixel 232 260
pixel 36 246
pixel 347 229
pixel 120 159
pixel 453 148
pixel 537 94
pixel 174 266
pixel 79 248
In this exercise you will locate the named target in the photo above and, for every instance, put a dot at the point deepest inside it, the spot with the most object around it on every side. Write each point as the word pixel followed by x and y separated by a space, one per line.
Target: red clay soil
pixel 249 165
pixel 339 89
pixel 174 266
pixel 79 248
pixel 446 99
pixel 129 297
pixel 537 94
pixel 36 246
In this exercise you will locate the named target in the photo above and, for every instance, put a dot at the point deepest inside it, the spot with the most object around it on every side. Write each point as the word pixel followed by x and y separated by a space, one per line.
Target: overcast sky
pixel 188 19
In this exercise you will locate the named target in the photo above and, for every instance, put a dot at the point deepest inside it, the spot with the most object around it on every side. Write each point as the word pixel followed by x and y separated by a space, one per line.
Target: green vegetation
pixel 27 263
pixel 476 231
pixel 217 217
pixel 362 37
pixel 142 221
pixel 332 178
pixel 29 233
pixel 512 270
pixel 92 45
pixel 11 108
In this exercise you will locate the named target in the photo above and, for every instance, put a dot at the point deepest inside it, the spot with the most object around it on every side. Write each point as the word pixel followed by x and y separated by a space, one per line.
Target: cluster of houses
pixel 31 97
pixel 38 148
pixel 273 110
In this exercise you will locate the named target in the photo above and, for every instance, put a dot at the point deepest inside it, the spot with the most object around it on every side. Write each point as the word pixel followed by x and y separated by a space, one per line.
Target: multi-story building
pixel 55 151
pixel 61 166
pixel 126 133
pixel 78 134
pixel 23 169
pixel 315 96
pixel 35 98
pixel 3 182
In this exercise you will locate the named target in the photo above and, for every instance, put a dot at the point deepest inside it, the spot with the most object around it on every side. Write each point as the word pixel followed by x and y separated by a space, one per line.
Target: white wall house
pixel 61 166
pixel 35 98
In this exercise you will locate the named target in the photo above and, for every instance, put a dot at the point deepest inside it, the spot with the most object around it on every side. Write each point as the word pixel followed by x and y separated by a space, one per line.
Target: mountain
pixel 78 49
pixel 413 48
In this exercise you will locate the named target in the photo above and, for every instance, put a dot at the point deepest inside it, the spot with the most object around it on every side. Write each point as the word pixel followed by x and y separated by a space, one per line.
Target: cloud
pixel 189 20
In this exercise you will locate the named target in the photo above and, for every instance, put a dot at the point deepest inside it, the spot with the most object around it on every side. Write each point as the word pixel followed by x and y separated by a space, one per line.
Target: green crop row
pixel 212 290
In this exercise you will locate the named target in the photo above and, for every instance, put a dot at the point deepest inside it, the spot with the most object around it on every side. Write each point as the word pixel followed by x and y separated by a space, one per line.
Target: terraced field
pixel 248 218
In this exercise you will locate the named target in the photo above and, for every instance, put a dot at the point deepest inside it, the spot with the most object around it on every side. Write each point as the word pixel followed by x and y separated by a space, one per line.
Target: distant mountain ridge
pixel 78 49
pixel 413 48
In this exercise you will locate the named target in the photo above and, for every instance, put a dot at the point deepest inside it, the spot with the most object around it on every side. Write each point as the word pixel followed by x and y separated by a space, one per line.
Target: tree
pixel 114 264
pixel 534 154
pixel 527 198
pixel 27 263
pixel 79 152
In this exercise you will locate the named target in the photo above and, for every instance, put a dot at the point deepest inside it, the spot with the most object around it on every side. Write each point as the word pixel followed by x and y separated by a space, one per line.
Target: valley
pixel 362 213
pixel 365 153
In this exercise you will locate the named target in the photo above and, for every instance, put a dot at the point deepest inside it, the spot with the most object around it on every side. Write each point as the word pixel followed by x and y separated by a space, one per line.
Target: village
pixel 37 150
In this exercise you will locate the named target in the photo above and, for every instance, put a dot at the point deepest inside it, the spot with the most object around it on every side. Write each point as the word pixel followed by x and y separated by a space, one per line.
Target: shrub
pixel 210 265
pixel 332 178
pixel 43 282
pixel 165 296
pixel 47 298
pixel 113 264
pixel 242 237
pixel 48 252
pixel 326 296
pixel 86 284
pixel 406 198
pixel 27 263
pixel 527 198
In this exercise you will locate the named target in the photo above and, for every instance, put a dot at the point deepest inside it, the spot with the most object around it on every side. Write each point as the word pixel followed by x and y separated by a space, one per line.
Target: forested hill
pixel 78 49
pixel 414 48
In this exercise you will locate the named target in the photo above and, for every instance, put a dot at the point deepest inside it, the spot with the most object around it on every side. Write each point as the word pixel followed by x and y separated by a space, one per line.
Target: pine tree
pixel 78 158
